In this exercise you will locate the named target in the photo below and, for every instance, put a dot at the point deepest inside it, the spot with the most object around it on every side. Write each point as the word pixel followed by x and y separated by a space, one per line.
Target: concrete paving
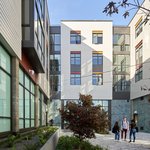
pixel 142 141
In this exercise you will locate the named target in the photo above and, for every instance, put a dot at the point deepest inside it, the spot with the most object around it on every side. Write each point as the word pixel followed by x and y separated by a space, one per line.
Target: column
pixel 36 123
pixel 15 95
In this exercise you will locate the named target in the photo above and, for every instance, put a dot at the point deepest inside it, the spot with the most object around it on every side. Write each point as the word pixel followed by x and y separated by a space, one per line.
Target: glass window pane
pixel 32 106
pixel 5 60
pixel 21 101
pixel 57 48
pixel 21 76
pixel 27 104
pixel 27 82
pixel 57 38
pixel 21 123
pixel 4 124
pixel 105 103
pixel 4 94
pixel 32 123
pixel 27 123
pixel 32 87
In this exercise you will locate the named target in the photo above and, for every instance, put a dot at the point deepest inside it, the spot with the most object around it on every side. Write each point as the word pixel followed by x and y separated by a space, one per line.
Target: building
pixel 120 105
pixel 140 69
pixel 24 65
pixel 86 63
pixel 55 74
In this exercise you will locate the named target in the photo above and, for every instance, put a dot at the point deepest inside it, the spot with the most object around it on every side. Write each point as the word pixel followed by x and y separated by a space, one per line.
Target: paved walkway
pixel 142 142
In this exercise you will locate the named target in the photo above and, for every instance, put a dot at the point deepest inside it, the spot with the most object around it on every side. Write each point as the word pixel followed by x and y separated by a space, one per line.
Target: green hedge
pixel 73 143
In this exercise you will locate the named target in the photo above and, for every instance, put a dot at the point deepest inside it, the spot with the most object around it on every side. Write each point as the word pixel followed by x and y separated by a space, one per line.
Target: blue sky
pixel 83 10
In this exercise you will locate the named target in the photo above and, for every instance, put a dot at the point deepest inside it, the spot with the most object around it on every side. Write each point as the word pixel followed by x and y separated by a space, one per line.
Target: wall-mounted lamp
pixel 31 71
pixel 135 116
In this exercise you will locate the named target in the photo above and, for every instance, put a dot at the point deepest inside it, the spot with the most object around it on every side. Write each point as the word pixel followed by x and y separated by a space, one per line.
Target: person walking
pixel 132 130
pixel 124 128
pixel 116 131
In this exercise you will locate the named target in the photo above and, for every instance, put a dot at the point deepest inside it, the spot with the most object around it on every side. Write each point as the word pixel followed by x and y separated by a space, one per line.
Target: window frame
pixel 75 37
pixel 75 78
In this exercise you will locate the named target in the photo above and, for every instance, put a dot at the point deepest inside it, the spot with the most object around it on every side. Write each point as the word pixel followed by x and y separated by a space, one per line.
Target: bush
pixel 71 143
pixel 11 139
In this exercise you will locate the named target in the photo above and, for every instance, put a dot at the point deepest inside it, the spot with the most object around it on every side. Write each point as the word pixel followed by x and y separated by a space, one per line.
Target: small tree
pixel 83 118
pixel 113 8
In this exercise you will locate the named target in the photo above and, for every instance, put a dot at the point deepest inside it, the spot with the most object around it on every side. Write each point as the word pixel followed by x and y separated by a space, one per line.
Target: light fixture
pixel 31 71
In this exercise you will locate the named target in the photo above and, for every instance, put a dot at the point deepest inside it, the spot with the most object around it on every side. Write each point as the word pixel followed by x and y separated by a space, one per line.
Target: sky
pixel 83 10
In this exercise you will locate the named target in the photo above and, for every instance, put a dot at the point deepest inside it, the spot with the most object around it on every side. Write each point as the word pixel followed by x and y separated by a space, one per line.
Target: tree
pixel 113 8
pixel 83 118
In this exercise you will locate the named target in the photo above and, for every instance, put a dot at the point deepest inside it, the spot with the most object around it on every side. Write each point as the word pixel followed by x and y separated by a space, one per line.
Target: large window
pixel 55 42
pixel 97 59
pixel 75 79
pixel 5 90
pixel 121 42
pixel 26 101
pixel 97 37
pixel 42 109
pixel 97 79
pixel 121 83
pixel 75 67
pixel 139 62
pixel 75 59
pixel 75 37
pixel 138 27
pixel 39 35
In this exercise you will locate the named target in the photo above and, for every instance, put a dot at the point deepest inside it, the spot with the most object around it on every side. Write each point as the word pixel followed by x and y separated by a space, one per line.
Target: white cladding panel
pixel 145 36
pixel 10 24
pixel 86 47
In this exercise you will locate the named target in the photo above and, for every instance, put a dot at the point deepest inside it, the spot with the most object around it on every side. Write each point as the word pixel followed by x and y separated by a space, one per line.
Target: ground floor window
pixel 42 109
pixel 26 101
pixel 5 90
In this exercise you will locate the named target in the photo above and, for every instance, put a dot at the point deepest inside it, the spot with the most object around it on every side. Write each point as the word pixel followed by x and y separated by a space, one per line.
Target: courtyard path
pixel 107 140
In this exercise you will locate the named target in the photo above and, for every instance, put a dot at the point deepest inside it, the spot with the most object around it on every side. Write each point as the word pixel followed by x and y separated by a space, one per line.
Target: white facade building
pixel 140 68
pixel 83 43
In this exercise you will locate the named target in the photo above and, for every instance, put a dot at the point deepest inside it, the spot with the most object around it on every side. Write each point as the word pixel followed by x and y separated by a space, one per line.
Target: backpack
pixel 113 130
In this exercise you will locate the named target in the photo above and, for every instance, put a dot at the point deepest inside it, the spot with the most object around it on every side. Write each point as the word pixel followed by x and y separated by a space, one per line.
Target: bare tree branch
pixel 113 7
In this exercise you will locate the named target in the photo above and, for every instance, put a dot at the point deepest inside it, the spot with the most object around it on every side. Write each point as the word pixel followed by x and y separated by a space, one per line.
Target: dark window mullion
pixel 23 100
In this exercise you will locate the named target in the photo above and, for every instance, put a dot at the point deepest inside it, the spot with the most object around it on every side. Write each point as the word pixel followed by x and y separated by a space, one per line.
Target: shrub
pixel 83 118
pixel 11 140
pixel 71 143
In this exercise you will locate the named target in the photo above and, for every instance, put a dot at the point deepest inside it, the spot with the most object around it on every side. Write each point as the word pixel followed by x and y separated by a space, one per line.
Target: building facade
pixel 24 65
pixel 120 106
pixel 86 61
pixel 140 66
pixel 55 74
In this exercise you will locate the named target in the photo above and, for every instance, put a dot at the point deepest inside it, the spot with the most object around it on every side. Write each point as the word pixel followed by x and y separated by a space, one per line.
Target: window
pixel 121 83
pixel 75 67
pixel 139 61
pixel 97 59
pixel 55 42
pixel 138 27
pixel 5 90
pixel 75 79
pixel 97 37
pixel 75 37
pixel 97 79
pixel 26 101
pixel 75 59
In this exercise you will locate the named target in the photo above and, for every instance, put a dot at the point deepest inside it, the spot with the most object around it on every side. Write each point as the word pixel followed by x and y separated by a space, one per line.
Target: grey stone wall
pixel 142 106
pixel 119 109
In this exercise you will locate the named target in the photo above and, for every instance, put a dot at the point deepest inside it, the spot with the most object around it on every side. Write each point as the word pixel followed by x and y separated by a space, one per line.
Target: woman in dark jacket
pixel 116 130
pixel 132 130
